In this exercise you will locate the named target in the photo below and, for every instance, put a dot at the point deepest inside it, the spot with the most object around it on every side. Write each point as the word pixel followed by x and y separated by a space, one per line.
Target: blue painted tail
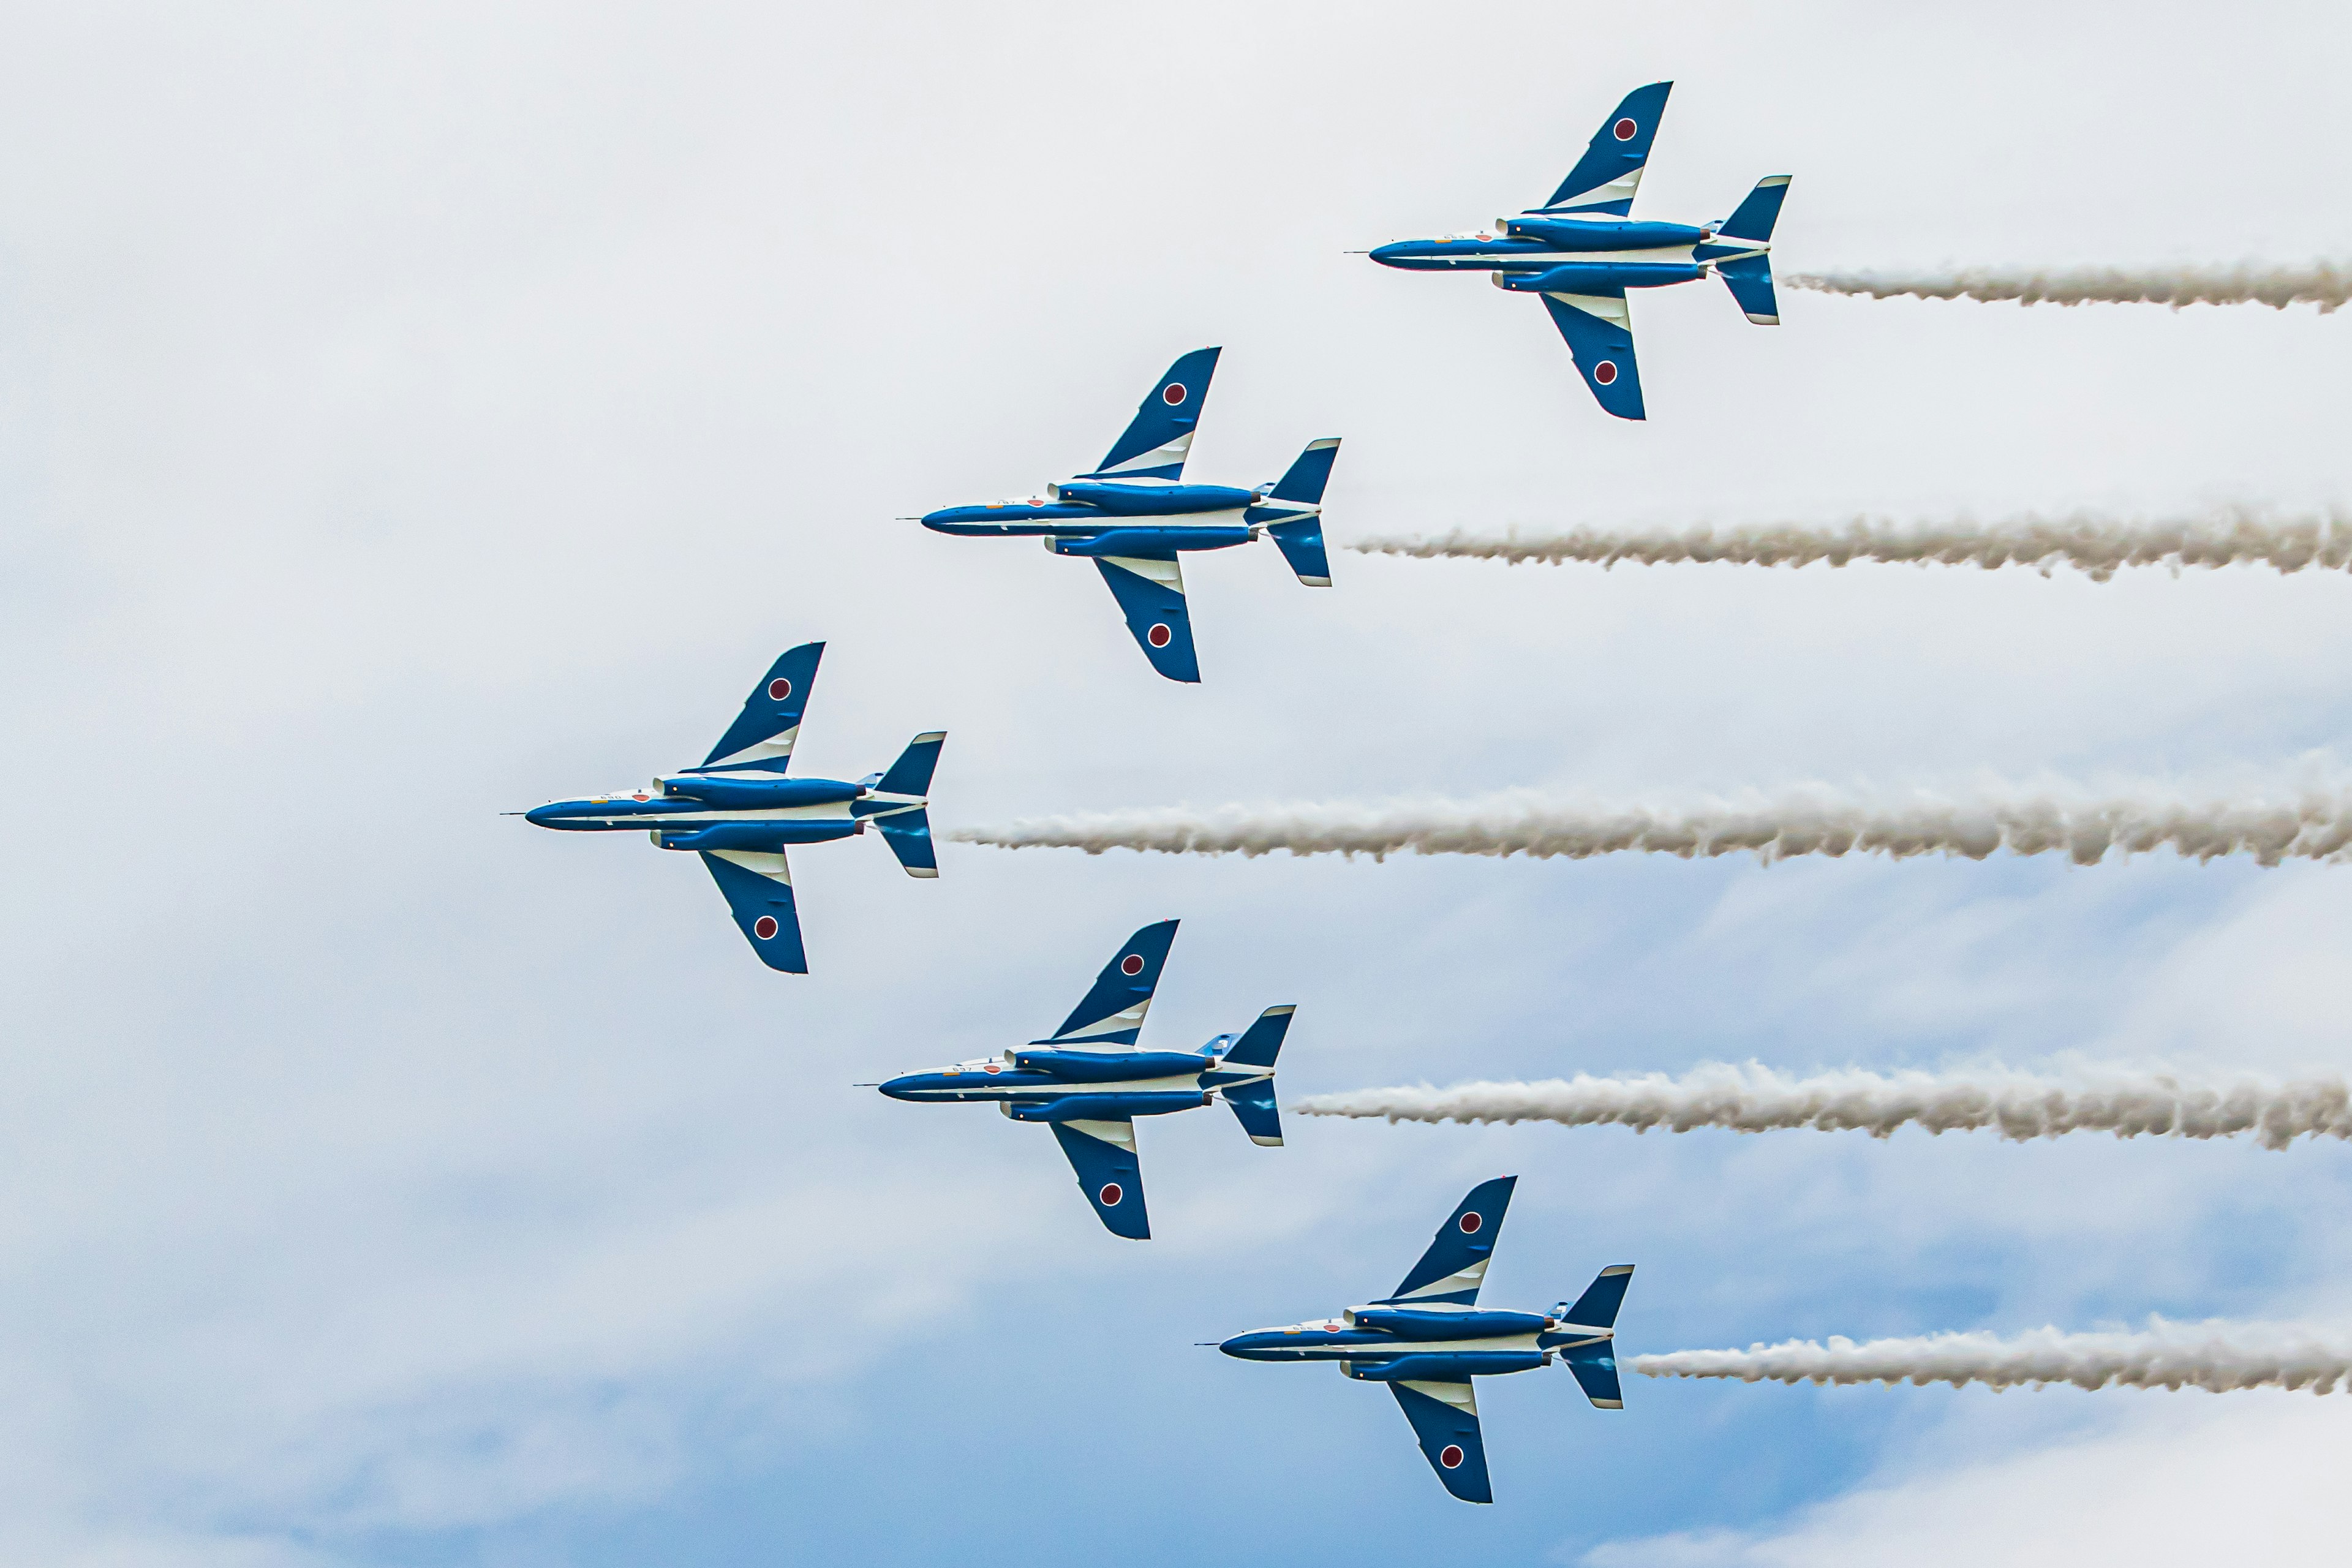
pixel 1293 512
pixel 1594 1363
pixel 1749 278
pixel 1254 1103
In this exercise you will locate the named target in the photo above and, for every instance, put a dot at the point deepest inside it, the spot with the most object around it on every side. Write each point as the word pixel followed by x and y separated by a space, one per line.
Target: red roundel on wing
pixel 1470 1223
pixel 779 689
pixel 1158 636
pixel 1172 394
pixel 1623 129
pixel 1450 1456
pixel 1111 1195
pixel 1131 964
pixel 764 927
pixel 1605 372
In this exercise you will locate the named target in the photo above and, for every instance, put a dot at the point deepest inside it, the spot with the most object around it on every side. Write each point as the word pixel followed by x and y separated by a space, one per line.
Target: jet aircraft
pixel 1429 1339
pixel 1134 516
pixel 739 810
pixel 1089 1080
pixel 1581 250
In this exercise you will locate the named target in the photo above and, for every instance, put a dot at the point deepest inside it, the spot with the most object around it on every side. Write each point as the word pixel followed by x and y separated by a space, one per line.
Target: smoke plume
pixel 1754 1099
pixel 2325 284
pixel 2312 824
pixel 2095 544
pixel 2215 1356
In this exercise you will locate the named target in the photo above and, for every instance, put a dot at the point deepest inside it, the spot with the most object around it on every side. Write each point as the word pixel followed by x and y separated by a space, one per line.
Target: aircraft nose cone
pixel 538 816
pixel 1387 255
pixel 1247 1347
pixel 901 1088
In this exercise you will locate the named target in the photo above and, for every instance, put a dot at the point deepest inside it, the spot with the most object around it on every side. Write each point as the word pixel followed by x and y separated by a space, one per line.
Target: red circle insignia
pixel 1131 964
pixel 764 927
pixel 1172 394
pixel 1111 1195
pixel 1623 129
pixel 1605 372
pixel 1450 1456
pixel 779 689
pixel 1470 1223
pixel 1158 636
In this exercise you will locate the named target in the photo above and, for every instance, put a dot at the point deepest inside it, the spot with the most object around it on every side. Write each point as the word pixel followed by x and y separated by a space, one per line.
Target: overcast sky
pixel 412 414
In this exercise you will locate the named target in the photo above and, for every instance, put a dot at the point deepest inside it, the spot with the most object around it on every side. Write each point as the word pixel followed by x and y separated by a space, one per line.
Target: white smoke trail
pixel 2313 823
pixel 2095 543
pixel 2323 283
pixel 2213 1355
pixel 1754 1099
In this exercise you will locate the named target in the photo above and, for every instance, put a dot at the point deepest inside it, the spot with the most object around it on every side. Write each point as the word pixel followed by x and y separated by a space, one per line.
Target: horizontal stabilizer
pixel 1597 1308
pixel 1749 278
pixel 1103 1155
pixel 909 834
pixel 1595 1366
pixel 911 773
pixel 1753 218
pixel 758 889
pixel 1262 1041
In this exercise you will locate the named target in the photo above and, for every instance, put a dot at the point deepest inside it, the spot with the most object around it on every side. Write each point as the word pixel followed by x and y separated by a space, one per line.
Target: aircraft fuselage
pixel 746 812
pixel 1091 517
pixel 1391 1344
pixel 1047 1083
pixel 1553 254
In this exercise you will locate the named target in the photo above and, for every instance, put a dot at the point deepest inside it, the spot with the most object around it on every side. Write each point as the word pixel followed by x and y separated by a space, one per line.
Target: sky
pixel 410 414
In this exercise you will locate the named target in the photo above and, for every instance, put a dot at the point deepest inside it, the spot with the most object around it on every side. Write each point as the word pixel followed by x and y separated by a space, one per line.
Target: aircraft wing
pixel 1150 593
pixel 759 889
pixel 1444 1416
pixel 1599 333
pixel 1111 1013
pixel 760 739
pixel 1455 1264
pixel 1103 1154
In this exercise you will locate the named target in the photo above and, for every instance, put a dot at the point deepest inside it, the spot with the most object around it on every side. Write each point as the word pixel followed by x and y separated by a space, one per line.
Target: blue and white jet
pixel 1089 1080
pixel 1134 516
pixel 1581 250
pixel 737 809
pixel 1429 1339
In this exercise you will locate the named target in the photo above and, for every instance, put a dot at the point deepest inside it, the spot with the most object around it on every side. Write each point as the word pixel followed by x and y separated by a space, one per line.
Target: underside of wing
pixel 1150 593
pixel 1444 1416
pixel 1103 1154
pixel 1599 333
pixel 758 889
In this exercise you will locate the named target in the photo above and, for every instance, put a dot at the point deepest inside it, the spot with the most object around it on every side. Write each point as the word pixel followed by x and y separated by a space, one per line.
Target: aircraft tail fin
pixel 1594 1363
pixel 1597 1308
pixel 1753 220
pixel 1254 1103
pixel 1293 512
pixel 909 834
pixel 911 773
pixel 1749 278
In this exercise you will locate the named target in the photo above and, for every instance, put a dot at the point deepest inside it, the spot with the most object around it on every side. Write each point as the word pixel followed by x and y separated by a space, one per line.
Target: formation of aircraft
pixel 1429 1339
pixel 1134 516
pixel 738 810
pixel 1089 1080
pixel 1583 250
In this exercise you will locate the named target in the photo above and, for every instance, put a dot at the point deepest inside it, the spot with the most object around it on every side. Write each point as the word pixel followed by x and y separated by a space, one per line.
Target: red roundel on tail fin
pixel 764 927
pixel 1450 1456
pixel 1605 372
pixel 1158 636
pixel 1131 964
pixel 779 689
pixel 1172 394
pixel 1470 1223
pixel 1111 1195
pixel 1623 129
